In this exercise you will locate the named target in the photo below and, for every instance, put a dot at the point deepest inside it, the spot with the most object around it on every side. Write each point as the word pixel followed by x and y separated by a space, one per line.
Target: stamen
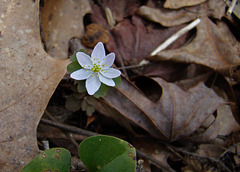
pixel 96 68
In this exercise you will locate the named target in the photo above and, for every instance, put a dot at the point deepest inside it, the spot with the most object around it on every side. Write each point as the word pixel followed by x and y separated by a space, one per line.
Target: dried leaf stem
pixel 175 36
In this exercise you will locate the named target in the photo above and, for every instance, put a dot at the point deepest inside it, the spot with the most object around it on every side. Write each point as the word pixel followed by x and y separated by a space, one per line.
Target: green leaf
pixel 73 57
pixel 73 66
pixel 72 103
pixel 107 154
pixel 90 110
pixel 55 159
pixel 104 88
pixel 102 91
pixel 81 86
pixel 117 81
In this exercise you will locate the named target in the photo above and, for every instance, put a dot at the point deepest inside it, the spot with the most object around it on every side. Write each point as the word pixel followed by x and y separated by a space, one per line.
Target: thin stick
pixel 231 7
pixel 132 66
pixel 69 128
pixel 175 36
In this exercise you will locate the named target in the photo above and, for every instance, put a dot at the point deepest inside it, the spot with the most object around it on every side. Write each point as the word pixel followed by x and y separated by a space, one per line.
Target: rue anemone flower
pixel 96 69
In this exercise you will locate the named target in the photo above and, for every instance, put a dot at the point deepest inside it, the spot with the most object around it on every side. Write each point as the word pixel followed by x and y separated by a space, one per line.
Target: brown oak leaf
pixel 28 79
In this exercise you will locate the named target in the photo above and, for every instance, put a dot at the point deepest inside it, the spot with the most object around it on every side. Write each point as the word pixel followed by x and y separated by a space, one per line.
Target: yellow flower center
pixel 96 68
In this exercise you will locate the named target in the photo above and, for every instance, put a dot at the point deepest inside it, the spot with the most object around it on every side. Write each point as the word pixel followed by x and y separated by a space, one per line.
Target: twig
pixel 132 66
pixel 51 134
pixel 175 36
pixel 68 128
pixel 231 7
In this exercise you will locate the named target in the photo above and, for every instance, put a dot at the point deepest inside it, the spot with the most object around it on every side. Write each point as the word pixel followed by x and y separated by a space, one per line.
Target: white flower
pixel 96 69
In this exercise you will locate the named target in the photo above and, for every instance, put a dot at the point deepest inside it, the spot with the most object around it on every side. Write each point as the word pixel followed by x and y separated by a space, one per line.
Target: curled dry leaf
pixel 165 17
pixel 214 46
pixel 175 4
pixel 62 20
pixel 169 18
pixel 174 114
pixel 28 78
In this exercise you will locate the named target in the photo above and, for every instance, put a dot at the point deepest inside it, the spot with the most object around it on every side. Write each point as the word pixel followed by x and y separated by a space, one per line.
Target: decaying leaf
pixel 95 33
pixel 183 3
pixel 174 114
pixel 28 79
pixel 214 46
pixel 62 20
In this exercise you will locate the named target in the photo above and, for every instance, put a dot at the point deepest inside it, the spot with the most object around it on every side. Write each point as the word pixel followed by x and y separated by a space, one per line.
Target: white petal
pixel 81 74
pixel 108 61
pixel 98 53
pixel 110 73
pixel 84 60
pixel 107 81
pixel 93 84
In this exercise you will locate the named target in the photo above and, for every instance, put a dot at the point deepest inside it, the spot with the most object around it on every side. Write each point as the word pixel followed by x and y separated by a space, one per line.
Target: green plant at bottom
pixel 98 153
pixel 51 160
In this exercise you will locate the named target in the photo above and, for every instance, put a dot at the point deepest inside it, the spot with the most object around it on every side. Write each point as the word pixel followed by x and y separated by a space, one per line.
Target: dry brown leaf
pixel 214 46
pixel 28 78
pixel 165 17
pixel 175 4
pixel 169 18
pixel 173 114
pixel 62 20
